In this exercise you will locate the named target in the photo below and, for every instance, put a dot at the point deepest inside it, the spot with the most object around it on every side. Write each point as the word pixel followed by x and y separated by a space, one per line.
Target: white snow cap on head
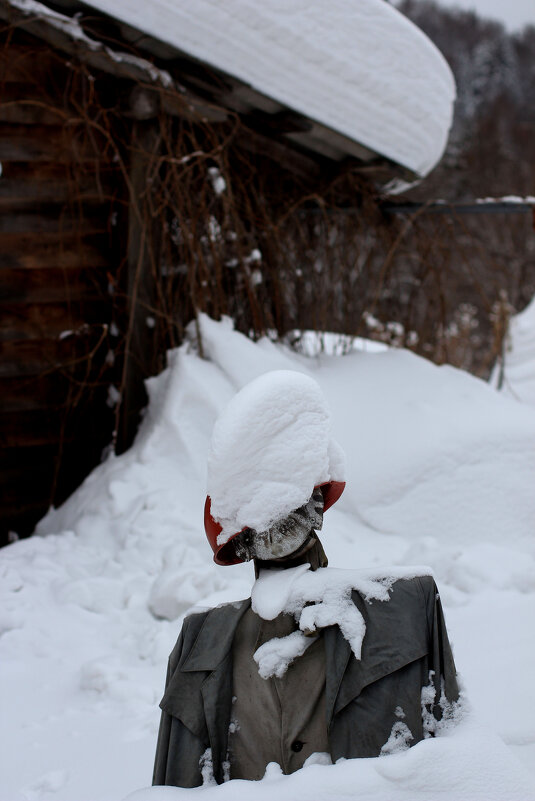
pixel 270 447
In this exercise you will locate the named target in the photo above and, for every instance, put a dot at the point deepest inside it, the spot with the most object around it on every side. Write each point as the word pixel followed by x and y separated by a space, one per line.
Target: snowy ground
pixel 518 379
pixel 441 471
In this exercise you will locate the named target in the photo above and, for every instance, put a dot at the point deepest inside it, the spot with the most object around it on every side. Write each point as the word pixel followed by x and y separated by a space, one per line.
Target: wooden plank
pixel 280 154
pixel 16 510
pixel 50 220
pixel 20 517
pixel 51 285
pixel 39 357
pixel 34 463
pixel 453 209
pixel 23 63
pixel 27 104
pixel 35 183
pixel 14 480
pixel 26 112
pixel 36 427
pixel 45 172
pixel 64 249
pixel 38 455
pixel 47 143
pixel 25 197
pixel 50 320
pixel 40 143
pixel 31 428
pixel 17 198
pixel 34 392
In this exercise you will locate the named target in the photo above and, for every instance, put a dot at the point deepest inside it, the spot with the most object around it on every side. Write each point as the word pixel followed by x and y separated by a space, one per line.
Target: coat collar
pixel 383 651
pixel 394 637
pixel 396 634
pixel 214 640
pixel 337 656
pixel 214 644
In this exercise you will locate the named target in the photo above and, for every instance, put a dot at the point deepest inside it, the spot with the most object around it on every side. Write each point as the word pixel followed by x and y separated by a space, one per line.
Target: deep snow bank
pixel 433 450
pixel 440 472
pixel 519 357
pixel 469 763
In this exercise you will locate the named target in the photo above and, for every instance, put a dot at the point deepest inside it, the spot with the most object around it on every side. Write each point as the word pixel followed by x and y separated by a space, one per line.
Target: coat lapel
pixel 216 691
pixel 214 640
pixel 396 634
pixel 192 693
pixel 337 656
pixel 208 667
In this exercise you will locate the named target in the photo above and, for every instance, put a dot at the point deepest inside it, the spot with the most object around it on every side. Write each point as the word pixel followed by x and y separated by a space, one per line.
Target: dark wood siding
pixel 57 254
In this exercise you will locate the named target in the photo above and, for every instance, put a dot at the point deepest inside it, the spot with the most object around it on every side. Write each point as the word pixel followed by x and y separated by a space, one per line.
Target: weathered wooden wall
pixel 93 185
pixel 56 259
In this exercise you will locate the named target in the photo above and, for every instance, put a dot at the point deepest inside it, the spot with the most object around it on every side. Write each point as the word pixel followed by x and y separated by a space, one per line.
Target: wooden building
pixel 94 115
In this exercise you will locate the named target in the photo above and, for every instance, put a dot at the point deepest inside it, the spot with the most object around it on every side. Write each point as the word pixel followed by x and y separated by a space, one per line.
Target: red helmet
pixel 224 554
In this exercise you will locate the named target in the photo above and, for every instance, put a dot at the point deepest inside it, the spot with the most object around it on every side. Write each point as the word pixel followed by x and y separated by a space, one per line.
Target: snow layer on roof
pixel 360 68
pixel 270 447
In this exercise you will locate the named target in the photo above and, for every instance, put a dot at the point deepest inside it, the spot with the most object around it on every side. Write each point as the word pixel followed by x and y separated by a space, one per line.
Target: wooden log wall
pixel 56 259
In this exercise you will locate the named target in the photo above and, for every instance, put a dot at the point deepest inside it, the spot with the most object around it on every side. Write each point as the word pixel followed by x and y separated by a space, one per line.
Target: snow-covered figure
pixel 324 662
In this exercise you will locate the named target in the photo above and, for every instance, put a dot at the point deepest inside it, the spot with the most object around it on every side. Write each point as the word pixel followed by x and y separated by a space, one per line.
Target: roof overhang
pixel 323 90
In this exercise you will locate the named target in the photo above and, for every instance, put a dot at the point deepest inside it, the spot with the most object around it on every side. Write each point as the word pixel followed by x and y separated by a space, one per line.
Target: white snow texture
pixel 270 447
pixel 519 361
pixel 360 68
pixel 317 600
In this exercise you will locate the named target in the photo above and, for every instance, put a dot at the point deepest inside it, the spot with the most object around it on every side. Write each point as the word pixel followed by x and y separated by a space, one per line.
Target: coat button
pixel 297 746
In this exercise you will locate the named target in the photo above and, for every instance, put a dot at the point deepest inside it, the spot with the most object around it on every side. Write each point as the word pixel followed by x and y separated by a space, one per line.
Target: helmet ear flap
pixel 224 554
pixel 332 491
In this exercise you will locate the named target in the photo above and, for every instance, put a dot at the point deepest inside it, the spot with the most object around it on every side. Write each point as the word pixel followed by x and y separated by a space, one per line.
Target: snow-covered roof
pixel 359 68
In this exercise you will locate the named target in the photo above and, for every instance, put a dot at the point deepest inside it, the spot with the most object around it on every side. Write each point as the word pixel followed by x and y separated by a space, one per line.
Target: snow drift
pixel 519 358
pixel 469 763
pixel 440 472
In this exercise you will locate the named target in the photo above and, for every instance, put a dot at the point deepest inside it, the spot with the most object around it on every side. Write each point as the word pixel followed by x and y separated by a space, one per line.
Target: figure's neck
pixel 311 551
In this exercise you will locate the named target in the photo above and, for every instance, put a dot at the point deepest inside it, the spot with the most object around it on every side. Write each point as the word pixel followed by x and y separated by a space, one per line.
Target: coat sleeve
pixel 440 696
pixel 178 750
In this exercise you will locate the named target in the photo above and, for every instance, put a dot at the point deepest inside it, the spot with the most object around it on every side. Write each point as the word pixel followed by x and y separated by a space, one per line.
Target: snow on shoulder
pixel 270 447
pixel 318 599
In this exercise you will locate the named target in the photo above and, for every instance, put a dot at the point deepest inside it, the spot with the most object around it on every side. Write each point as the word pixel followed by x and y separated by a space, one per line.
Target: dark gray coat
pixel 405 639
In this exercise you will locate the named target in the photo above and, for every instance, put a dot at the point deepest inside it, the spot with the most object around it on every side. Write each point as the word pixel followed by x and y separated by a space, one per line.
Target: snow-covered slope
pixel 440 471
pixel 519 361
pixel 360 68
